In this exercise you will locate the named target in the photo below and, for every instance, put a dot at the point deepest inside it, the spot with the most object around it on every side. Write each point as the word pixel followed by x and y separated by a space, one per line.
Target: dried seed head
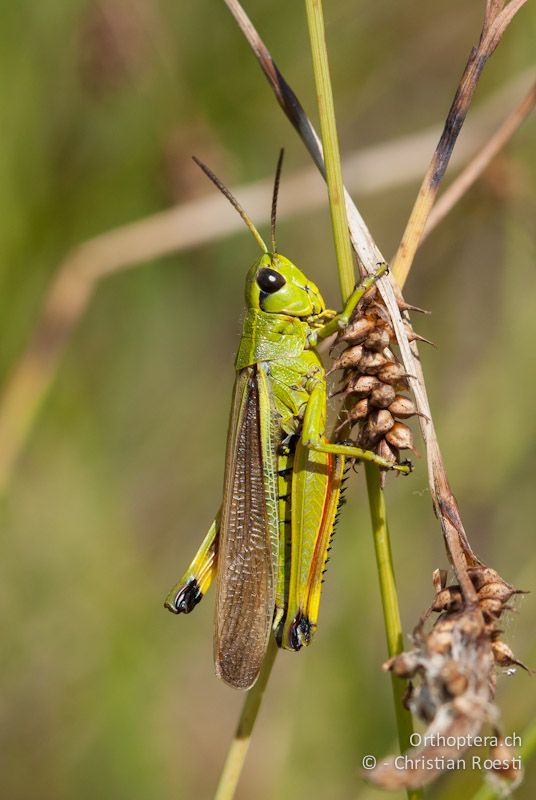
pixel 454 681
pixel 404 665
pixel 492 608
pixel 364 384
pixel 504 657
pixel 415 337
pixel 496 591
pixel 439 641
pixel 482 575
pixel 382 396
pixel 357 330
pixel 403 306
pixel 449 599
pixel 470 624
pixel 349 358
pixel 372 362
pixel 393 372
pixel 402 407
pixel 353 383
pixel 439 579
pixel 400 436
pixel 368 437
pixel 359 411
pixel 490 628
pixel 380 421
pixel 379 339
pixel 386 451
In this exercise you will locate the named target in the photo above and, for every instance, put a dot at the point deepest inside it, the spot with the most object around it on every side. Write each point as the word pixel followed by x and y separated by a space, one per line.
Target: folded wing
pixel 247 558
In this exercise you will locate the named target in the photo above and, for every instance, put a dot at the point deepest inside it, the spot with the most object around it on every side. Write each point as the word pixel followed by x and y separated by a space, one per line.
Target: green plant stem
pixel 391 612
pixel 237 752
pixel 330 143
pixel 345 266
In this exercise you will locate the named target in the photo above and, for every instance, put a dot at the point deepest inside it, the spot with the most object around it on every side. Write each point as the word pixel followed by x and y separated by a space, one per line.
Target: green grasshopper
pixel 268 545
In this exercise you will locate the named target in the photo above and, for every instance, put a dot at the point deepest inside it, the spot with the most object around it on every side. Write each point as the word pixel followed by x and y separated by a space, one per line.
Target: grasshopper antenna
pixel 275 195
pixel 233 201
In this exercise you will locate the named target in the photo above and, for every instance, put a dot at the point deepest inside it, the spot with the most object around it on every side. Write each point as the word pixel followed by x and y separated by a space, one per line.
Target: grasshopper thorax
pixel 274 285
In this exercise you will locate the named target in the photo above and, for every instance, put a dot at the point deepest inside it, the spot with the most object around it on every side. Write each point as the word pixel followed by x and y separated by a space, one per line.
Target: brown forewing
pixel 245 583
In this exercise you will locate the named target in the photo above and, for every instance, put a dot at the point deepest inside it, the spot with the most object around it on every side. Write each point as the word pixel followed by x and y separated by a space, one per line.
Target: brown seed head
pixel 380 421
pixel 471 624
pixel 378 340
pixel 400 436
pixel 439 579
pixel 364 384
pixel 496 591
pixel 454 681
pixel 359 411
pixel 386 451
pixel 393 373
pixel 439 641
pixel 372 362
pixel 492 608
pixel 449 599
pixel 482 575
pixel 402 407
pixel 382 396
pixel 357 330
pixel 504 657
pixel 368 438
pixel 404 665
pixel 349 358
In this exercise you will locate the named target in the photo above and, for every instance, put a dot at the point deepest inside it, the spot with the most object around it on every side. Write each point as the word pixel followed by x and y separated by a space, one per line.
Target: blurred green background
pixel 103 692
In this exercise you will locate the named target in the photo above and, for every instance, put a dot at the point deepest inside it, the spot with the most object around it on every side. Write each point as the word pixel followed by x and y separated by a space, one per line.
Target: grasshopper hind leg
pixel 316 492
pixel 184 599
pixel 300 631
pixel 194 584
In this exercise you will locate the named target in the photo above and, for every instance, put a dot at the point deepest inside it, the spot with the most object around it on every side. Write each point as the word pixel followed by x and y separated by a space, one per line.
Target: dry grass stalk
pixel 497 17
pixel 480 162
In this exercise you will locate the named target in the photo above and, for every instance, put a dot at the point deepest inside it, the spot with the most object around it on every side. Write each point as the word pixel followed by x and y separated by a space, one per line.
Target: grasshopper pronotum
pixel 268 545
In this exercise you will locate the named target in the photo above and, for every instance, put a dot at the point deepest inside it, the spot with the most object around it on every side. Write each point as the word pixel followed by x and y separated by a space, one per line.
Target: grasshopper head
pixel 276 286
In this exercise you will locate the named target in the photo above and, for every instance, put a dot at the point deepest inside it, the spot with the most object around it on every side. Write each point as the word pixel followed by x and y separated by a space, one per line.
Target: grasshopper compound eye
pixel 270 281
